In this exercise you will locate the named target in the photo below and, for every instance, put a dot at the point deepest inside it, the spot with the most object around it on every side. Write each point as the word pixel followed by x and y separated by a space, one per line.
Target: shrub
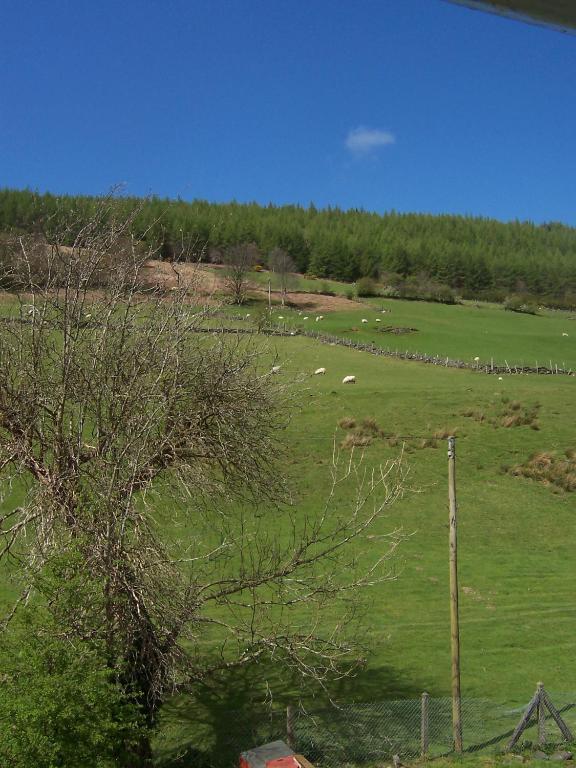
pixel 325 289
pixel 520 304
pixel 366 286
pixel 59 704
pixel 390 292
pixel 349 294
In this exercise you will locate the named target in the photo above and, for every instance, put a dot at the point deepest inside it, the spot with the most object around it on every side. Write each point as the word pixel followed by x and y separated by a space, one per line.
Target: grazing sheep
pixel 378 320
pixel 317 318
pixel 564 334
pixel 364 320
pixel 319 371
pixel 349 380
pixel 275 369
pixel 305 318
pixel 280 317
pixel 476 359
pixel 499 378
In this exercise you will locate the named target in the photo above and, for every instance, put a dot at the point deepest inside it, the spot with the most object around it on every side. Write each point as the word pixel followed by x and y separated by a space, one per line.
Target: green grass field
pixel 460 331
pixel 518 618
pixel 516 536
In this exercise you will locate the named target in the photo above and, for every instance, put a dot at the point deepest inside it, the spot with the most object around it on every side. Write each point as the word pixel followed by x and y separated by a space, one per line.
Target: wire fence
pixel 368 735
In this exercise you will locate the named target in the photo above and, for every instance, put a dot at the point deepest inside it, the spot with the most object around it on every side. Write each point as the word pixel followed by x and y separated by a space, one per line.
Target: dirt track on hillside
pixel 206 282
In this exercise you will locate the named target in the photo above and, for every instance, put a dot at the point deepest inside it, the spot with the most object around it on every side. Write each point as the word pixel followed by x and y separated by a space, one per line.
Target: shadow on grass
pixel 211 726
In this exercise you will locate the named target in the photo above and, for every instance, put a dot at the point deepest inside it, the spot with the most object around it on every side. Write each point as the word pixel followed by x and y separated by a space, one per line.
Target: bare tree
pixel 283 267
pixel 239 261
pixel 140 441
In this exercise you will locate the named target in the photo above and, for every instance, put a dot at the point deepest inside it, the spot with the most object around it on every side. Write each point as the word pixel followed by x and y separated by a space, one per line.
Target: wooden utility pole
pixel 454 617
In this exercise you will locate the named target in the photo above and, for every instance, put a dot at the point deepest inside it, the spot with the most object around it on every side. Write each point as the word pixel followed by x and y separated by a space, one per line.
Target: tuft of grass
pixel 369 426
pixel 507 414
pixel 354 440
pixel 549 469
pixel 347 422
pixel 444 433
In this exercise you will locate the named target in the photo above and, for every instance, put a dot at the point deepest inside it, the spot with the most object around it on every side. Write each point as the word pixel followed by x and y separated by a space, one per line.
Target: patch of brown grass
pixel 353 440
pixel 550 469
pixel 507 414
pixel 347 422
pixel 444 433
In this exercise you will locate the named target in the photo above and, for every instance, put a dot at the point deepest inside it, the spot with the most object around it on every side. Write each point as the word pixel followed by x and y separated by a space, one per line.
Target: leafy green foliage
pixel 59 705
pixel 520 304
pixel 366 286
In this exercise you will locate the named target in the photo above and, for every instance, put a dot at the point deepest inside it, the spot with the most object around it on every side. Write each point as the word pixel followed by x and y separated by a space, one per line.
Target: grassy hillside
pixel 518 618
pixel 516 543
pixel 516 567
pixel 461 331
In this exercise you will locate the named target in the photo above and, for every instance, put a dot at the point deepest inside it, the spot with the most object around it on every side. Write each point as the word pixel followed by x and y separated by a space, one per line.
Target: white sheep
pixel 305 318
pixel 476 359
pixel 349 380
pixel 364 320
pixel 319 371
pixel 499 378
pixel 280 317
pixel 378 320
pixel 564 334
pixel 317 318
pixel 275 369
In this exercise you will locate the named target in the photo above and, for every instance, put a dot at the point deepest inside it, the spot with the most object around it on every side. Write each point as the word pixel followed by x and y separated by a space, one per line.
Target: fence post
pixel 541 715
pixel 290 740
pixel 424 723
pixel 454 614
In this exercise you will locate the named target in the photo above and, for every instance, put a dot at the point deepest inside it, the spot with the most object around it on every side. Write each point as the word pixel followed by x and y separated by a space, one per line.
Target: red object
pixel 283 762
pixel 274 755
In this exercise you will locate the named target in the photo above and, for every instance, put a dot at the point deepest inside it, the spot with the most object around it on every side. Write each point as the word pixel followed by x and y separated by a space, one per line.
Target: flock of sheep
pixel 318 372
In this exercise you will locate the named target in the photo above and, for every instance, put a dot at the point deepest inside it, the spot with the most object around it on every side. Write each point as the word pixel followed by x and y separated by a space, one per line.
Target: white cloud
pixel 362 141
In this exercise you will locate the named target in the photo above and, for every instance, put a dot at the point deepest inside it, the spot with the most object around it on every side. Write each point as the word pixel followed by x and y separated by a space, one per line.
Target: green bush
pixel 520 304
pixel 59 705
pixel 325 289
pixel 366 286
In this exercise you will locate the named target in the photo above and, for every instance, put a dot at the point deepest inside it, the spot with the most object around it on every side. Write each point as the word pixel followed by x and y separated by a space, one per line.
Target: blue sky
pixel 412 105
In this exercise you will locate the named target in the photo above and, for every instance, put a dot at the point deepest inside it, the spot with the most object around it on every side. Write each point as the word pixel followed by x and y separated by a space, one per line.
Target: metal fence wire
pixel 368 735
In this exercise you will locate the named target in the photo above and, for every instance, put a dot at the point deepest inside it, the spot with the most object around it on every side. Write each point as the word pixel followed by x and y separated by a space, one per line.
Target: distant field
pixel 461 331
